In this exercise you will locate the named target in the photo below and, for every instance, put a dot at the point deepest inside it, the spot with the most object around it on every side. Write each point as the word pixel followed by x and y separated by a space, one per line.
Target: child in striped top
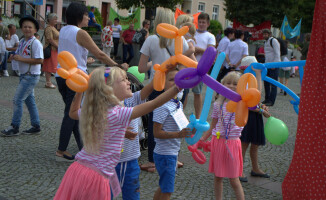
pixel 226 154
pixel 103 124
pixel 168 131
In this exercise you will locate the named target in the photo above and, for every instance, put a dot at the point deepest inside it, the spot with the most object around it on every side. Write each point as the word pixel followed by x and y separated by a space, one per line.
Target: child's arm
pixel 149 106
pixel 208 133
pixel 75 106
pixel 146 91
pixel 32 61
pixel 191 50
pixel 159 133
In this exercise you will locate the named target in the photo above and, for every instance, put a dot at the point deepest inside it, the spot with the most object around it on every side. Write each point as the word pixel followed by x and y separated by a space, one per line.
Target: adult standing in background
pixel 78 42
pixel 116 34
pixel 272 54
pixel 51 38
pixel 4 34
pixel 305 47
pixel 92 21
pixel 144 32
pixel 204 39
pixel 222 47
pixel 11 47
pixel 106 38
pixel 236 50
pixel 127 43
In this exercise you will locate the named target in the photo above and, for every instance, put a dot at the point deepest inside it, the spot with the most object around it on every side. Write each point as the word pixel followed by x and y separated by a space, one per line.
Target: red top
pixel 128 35
pixel 306 177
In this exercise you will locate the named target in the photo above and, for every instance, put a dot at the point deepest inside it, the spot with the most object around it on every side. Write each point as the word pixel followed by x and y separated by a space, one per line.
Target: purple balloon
pixel 187 78
pixel 221 89
pixel 206 61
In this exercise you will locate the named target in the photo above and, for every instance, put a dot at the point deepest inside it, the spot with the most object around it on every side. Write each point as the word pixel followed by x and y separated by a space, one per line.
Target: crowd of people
pixel 105 119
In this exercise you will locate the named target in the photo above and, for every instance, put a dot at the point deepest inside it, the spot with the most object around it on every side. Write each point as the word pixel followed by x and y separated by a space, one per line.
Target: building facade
pixel 19 8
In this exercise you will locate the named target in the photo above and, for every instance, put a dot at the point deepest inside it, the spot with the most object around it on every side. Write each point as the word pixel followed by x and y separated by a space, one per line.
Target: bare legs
pixel 48 83
pixel 198 104
pixel 253 157
pixel 235 184
pixel 161 196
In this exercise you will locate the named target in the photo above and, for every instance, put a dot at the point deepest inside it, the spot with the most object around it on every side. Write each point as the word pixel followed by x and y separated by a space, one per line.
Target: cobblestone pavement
pixel 28 169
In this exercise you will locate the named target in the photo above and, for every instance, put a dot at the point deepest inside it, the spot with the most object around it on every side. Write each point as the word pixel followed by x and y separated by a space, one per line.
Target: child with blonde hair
pixel 226 154
pixel 103 124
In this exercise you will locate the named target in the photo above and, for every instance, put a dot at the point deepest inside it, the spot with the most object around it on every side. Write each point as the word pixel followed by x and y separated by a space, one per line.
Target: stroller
pixel 136 85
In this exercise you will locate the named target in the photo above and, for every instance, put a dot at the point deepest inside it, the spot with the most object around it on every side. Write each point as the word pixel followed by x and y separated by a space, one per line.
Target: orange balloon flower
pixel 250 97
pixel 171 32
pixel 76 79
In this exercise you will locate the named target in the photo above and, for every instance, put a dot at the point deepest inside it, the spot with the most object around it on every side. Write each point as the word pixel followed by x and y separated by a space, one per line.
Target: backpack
pixel 136 39
pixel 283 48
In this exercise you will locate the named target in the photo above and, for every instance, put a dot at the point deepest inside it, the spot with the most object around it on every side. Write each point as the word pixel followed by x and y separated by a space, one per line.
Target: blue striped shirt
pixel 163 115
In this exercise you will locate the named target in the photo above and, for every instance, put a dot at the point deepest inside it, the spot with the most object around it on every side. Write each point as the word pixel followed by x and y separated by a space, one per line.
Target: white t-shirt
pixel 236 50
pixel 116 30
pixel 24 50
pixel 2 46
pixel 203 40
pixel 151 48
pixel 222 46
pixel 163 115
pixel 13 40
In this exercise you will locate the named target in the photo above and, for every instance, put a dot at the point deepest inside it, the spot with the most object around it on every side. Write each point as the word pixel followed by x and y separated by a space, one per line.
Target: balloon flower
pixel 76 79
pixel 264 77
pixel 197 155
pixel 276 131
pixel 171 32
pixel 189 77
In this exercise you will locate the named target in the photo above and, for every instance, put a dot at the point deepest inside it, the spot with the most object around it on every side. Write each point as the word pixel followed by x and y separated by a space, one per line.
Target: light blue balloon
pixel 202 125
pixel 264 77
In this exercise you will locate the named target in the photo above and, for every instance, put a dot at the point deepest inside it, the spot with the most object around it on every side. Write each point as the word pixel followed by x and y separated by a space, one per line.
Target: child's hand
pixel 265 111
pixel 125 66
pixel 129 134
pixel 186 132
pixel 90 60
pixel 17 57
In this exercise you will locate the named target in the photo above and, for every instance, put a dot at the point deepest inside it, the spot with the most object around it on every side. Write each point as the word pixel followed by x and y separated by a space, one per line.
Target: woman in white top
pixel 78 42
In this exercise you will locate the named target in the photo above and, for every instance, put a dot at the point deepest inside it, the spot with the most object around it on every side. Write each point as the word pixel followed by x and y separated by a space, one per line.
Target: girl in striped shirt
pixel 103 124
pixel 226 154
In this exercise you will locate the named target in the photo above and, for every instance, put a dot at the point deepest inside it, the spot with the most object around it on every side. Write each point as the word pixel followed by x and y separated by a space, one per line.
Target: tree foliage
pixel 126 4
pixel 257 11
pixel 214 27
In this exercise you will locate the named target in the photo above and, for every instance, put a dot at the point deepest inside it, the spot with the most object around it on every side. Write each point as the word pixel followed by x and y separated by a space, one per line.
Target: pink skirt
pixel 226 161
pixel 83 183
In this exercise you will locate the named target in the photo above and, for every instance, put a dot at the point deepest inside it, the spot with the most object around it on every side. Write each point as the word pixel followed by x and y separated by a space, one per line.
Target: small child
pixel 169 127
pixel 106 38
pixel 29 56
pixel 226 157
pixel 103 124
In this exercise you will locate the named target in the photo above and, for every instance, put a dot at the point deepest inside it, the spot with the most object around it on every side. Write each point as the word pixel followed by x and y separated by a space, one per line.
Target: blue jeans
pixel 129 172
pixel 270 89
pixel 97 26
pixel 127 48
pixel 25 93
pixel 166 168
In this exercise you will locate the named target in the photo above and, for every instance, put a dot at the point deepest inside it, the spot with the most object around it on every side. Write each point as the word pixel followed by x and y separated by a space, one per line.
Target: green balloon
pixel 134 71
pixel 276 131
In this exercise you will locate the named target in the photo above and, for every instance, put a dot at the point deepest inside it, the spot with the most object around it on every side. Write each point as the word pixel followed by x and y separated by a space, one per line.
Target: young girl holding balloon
pixel 226 154
pixel 103 123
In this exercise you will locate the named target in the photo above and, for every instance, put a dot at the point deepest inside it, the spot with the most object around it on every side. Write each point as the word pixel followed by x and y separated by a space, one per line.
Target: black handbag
pixel 47 52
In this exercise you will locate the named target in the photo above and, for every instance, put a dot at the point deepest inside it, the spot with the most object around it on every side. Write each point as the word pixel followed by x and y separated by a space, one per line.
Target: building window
pixel 215 12
pixel 201 7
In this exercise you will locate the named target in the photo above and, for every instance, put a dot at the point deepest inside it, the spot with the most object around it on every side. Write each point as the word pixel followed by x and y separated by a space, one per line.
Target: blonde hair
pixel 98 99
pixel 231 76
pixel 183 19
pixel 164 15
pixel 192 28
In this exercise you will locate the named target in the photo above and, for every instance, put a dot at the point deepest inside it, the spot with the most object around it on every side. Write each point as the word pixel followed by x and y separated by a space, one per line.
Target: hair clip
pixel 107 73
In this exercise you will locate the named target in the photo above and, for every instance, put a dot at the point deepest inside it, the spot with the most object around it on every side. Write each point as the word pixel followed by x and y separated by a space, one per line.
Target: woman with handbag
pixel 50 50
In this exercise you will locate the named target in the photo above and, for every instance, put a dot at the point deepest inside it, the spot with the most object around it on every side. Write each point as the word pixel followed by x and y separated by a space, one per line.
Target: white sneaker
pixel 5 73
pixel 17 72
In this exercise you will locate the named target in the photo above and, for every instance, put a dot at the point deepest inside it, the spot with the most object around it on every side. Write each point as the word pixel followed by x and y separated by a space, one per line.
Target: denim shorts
pixel 198 88
pixel 166 167
pixel 129 171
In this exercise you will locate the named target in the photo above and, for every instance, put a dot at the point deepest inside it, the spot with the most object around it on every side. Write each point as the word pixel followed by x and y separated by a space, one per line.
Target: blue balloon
pixel 202 125
pixel 264 77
